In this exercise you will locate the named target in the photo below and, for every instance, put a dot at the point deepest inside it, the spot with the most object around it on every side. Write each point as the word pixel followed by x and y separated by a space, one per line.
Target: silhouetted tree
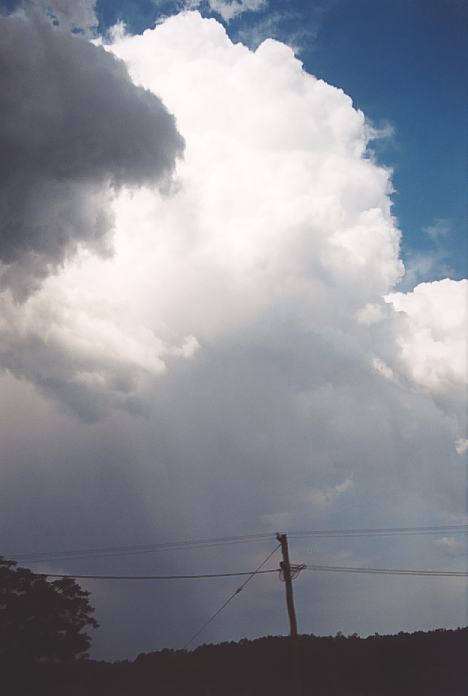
pixel 40 620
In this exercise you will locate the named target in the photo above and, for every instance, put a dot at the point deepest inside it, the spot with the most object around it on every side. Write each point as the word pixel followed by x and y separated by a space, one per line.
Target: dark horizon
pixel 419 664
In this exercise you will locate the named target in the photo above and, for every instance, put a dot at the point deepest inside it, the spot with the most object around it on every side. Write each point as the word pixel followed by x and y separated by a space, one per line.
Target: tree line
pixel 44 652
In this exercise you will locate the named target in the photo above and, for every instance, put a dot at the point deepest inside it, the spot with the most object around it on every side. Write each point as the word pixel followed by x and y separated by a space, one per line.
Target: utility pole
pixel 286 570
pixel 285 566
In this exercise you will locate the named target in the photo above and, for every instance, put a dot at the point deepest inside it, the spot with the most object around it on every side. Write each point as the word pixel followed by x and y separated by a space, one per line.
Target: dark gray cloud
pixel 73 129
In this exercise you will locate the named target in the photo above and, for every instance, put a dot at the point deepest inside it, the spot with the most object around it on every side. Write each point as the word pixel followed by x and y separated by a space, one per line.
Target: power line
pixel 389 571
pixel 188 544
pixel 251 573
pixel 110 551
pixel 155 577
pixel 257 571
pixel 383 531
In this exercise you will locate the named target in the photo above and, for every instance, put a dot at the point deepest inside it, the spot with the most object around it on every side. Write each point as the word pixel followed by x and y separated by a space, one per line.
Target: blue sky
pixel 403 64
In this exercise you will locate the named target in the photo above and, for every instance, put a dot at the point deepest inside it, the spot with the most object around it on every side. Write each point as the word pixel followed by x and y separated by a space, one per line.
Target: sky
pixel 233 302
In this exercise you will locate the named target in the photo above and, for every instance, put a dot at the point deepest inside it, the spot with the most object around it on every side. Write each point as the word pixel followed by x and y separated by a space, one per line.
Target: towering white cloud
pixel 279 216
pixel 278 237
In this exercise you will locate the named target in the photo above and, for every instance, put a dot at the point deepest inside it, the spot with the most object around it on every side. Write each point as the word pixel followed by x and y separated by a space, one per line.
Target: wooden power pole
pixel 285 566
pixel 286 570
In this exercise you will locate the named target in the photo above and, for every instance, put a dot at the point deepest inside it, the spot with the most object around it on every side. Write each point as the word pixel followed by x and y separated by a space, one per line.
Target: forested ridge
pixel 418 664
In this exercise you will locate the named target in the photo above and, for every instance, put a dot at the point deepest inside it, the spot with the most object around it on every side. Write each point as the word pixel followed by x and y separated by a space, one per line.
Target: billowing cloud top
pixel 74 128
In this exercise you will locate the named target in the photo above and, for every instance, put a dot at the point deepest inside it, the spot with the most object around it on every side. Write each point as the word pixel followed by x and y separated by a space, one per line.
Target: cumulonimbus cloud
pixel 254 316
pixel 74 129
pixel 281 215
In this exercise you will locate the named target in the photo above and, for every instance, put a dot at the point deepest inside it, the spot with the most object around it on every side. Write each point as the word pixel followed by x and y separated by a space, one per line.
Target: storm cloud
pixel 243 362
pixel 73 130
